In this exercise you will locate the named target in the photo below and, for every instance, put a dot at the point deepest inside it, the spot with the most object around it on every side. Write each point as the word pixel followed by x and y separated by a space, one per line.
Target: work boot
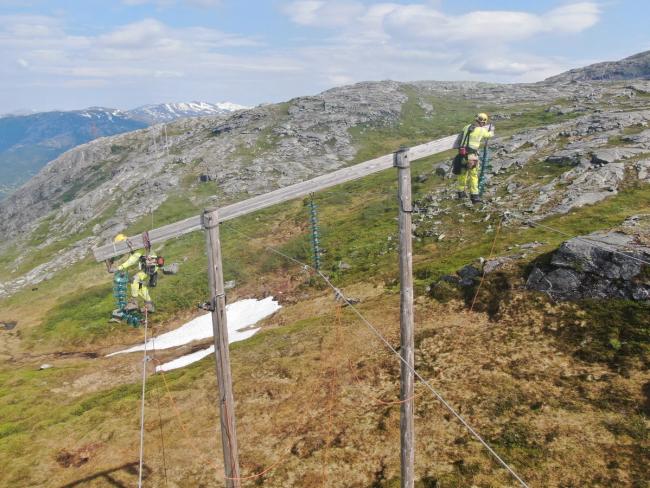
pixel 149 307
pixel 131 306
pixel 476 199
pixel 461 195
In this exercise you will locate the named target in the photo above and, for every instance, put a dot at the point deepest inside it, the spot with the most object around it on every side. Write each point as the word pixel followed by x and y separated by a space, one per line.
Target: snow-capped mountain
pixel 29 141
pixel 164 112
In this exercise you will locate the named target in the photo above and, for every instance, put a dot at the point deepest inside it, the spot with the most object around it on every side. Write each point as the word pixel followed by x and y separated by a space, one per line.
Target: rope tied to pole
pixel 144 383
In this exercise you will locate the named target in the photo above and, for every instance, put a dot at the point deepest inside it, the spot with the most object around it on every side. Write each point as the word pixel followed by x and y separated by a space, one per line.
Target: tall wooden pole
pixel 407 441
pixel 210 222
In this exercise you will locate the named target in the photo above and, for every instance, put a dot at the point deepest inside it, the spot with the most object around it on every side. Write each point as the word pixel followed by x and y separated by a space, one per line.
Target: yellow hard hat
pixel 482 117
pixel 119 238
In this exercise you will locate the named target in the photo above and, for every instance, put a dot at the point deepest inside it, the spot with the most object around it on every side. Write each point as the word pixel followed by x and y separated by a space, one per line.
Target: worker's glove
pixel 491 127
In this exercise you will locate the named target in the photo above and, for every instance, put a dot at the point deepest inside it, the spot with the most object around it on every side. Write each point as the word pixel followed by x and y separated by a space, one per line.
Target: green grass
pixel 414 127
pixel 78 318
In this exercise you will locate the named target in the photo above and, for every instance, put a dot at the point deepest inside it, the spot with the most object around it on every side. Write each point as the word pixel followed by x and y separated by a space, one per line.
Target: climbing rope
pixel 494 242
pixel 201 455
pixel 160 423
pixel 399 356
pixel 144 383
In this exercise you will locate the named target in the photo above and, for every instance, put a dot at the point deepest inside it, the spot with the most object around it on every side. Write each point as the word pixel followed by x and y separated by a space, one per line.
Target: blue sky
pixel 70 54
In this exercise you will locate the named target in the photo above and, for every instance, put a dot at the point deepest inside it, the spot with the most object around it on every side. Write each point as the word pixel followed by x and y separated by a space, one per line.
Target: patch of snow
pixel 239 315
pixel 230 107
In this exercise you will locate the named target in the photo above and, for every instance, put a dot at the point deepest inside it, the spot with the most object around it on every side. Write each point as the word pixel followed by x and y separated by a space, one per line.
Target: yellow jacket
pixel 477 135
pixel 133 259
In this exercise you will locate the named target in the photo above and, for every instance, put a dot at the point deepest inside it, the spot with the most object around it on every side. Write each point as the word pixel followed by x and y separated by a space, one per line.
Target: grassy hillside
pixel 560 391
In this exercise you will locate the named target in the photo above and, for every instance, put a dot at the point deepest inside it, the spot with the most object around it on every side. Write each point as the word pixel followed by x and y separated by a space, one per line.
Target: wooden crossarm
pixel 182 227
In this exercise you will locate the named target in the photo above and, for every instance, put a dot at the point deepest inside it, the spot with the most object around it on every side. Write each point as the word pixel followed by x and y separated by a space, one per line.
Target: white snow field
pixel 241 314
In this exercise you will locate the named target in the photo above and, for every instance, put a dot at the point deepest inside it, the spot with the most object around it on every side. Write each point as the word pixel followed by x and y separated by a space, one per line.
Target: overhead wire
pixel 378 334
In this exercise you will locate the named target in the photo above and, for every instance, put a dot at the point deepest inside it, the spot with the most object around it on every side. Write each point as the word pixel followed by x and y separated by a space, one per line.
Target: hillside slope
pixel 27 142
pixel 559 389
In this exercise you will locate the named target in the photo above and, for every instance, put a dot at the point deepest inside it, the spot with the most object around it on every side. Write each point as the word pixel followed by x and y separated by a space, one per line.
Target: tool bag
pixel 149 264
pixel 458 164
pixel 464 149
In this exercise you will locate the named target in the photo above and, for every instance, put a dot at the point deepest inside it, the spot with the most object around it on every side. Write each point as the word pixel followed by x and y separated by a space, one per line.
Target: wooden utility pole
pixel 210 222
pixel 407 441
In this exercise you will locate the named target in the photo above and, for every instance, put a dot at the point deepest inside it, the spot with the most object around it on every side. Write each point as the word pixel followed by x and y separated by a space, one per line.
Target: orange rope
pixel 494 242
pixel 260 474
pixel 202 456
pixel 182 426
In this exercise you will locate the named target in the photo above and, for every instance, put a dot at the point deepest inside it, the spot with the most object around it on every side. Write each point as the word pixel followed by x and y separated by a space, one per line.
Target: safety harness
pixel 149 263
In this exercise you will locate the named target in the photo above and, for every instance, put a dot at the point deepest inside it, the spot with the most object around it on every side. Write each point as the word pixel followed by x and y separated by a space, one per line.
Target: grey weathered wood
pixel 221 351
pixel 407 377
pixel 280 195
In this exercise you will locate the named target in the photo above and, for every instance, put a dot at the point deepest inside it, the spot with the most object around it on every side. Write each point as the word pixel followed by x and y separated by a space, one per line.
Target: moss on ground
pixel 615 332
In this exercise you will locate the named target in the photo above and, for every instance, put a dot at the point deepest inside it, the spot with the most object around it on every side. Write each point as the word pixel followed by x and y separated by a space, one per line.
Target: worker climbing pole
pixel 144 278
pixel 313 220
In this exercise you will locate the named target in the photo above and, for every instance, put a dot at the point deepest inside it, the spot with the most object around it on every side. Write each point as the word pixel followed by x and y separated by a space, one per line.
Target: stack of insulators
pixel 314 233
pixel 485 167
pixel 120 286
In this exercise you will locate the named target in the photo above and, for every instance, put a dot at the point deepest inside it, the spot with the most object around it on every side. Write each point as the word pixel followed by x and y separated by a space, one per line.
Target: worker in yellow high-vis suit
pixel 473 135
pixel 147 268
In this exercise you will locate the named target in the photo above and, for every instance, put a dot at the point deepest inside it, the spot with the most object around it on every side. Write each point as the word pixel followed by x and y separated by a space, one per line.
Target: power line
pixel 392 349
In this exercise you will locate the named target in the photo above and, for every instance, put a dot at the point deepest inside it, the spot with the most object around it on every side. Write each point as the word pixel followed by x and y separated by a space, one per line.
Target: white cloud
pixel 138 35
pixel 323 13
pixel 365 41
pixel 426 23
pixel 573 18
pixel 147 49
pixel 411 35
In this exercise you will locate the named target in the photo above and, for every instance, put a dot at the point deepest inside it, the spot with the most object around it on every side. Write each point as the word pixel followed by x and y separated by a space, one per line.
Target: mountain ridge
pixel 27 142
pixel 636 66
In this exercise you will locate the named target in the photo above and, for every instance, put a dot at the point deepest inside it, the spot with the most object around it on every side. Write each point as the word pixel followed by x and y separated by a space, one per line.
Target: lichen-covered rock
pixel 599 265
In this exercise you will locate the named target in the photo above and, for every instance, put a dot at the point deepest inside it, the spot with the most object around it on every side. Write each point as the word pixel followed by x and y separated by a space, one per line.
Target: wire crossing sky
pixel 71 54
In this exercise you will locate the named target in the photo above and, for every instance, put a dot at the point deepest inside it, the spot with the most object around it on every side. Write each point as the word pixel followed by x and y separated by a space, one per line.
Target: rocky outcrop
pixel 100 188
pixel 633 67
pixel 598 265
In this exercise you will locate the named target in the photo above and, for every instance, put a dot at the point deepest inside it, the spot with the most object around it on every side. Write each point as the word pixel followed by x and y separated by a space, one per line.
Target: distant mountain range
pixel 166 112
pixel 28 142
